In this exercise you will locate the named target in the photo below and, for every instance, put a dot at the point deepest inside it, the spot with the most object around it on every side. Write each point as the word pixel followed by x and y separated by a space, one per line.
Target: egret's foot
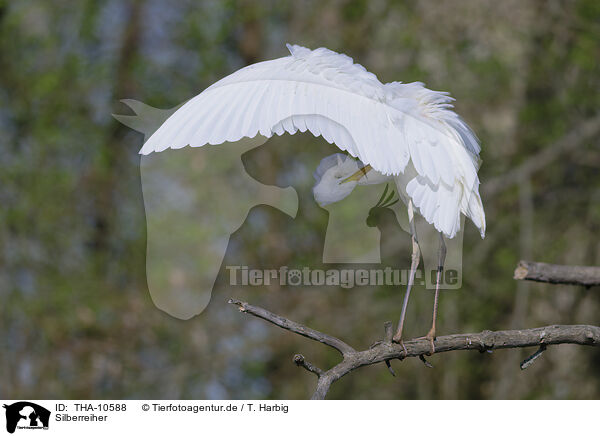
pixel 430 337
pixel 398 340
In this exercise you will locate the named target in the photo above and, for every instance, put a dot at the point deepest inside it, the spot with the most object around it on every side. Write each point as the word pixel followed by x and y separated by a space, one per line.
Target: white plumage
pixel 385 125
pixel 330 175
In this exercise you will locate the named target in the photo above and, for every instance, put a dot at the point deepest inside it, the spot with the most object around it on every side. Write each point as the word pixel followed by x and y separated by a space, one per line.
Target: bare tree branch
pixel 529 361
pixel 386 350
pixel 292 326
pixel 558 274
pixel 300 361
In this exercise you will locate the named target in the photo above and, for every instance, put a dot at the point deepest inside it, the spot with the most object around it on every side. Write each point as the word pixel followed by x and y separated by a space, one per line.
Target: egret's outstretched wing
pixel 320 91
pixel 316 90
pixel 324 92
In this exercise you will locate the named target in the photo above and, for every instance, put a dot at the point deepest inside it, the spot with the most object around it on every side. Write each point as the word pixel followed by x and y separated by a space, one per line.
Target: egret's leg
pixel 416 254
pixel 440 271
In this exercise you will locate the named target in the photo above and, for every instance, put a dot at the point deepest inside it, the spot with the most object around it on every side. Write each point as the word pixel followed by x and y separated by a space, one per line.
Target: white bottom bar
pixel 253 417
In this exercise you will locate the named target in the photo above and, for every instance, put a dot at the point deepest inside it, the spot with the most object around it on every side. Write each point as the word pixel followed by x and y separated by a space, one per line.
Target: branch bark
pixel 386 350
pixel 299 329
pixel 558 274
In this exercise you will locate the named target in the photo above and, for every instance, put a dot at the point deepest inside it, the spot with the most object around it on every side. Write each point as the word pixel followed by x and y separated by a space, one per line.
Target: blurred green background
pixel 76 318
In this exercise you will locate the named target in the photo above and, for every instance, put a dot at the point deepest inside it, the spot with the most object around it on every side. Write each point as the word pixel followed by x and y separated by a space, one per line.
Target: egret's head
pixel 338 174
pixel 330 175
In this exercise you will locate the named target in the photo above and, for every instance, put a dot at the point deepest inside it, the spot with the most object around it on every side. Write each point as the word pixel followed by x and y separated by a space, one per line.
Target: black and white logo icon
pixel 26 415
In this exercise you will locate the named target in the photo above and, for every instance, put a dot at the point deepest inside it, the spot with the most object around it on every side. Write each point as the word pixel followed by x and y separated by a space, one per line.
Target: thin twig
pixel 425 362
pixel 388 328
pixel 301 361
pixel 558 274
pixel 292 326
pixel 529 361
pixel 385 351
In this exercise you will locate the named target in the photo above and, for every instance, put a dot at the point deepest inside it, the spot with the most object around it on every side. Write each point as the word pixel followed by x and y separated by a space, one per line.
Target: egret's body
pixel 403 131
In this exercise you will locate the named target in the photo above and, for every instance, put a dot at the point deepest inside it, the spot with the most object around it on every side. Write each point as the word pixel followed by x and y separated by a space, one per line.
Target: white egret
pixel 403 131
pixel 333 178
pixel 336 177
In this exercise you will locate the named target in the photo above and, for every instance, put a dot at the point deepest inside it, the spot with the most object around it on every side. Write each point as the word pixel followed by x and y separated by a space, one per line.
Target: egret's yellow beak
pixel 357 175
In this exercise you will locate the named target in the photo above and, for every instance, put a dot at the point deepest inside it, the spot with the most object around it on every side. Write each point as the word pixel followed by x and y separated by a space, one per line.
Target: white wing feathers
pixel 439 204
pixel 327 94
